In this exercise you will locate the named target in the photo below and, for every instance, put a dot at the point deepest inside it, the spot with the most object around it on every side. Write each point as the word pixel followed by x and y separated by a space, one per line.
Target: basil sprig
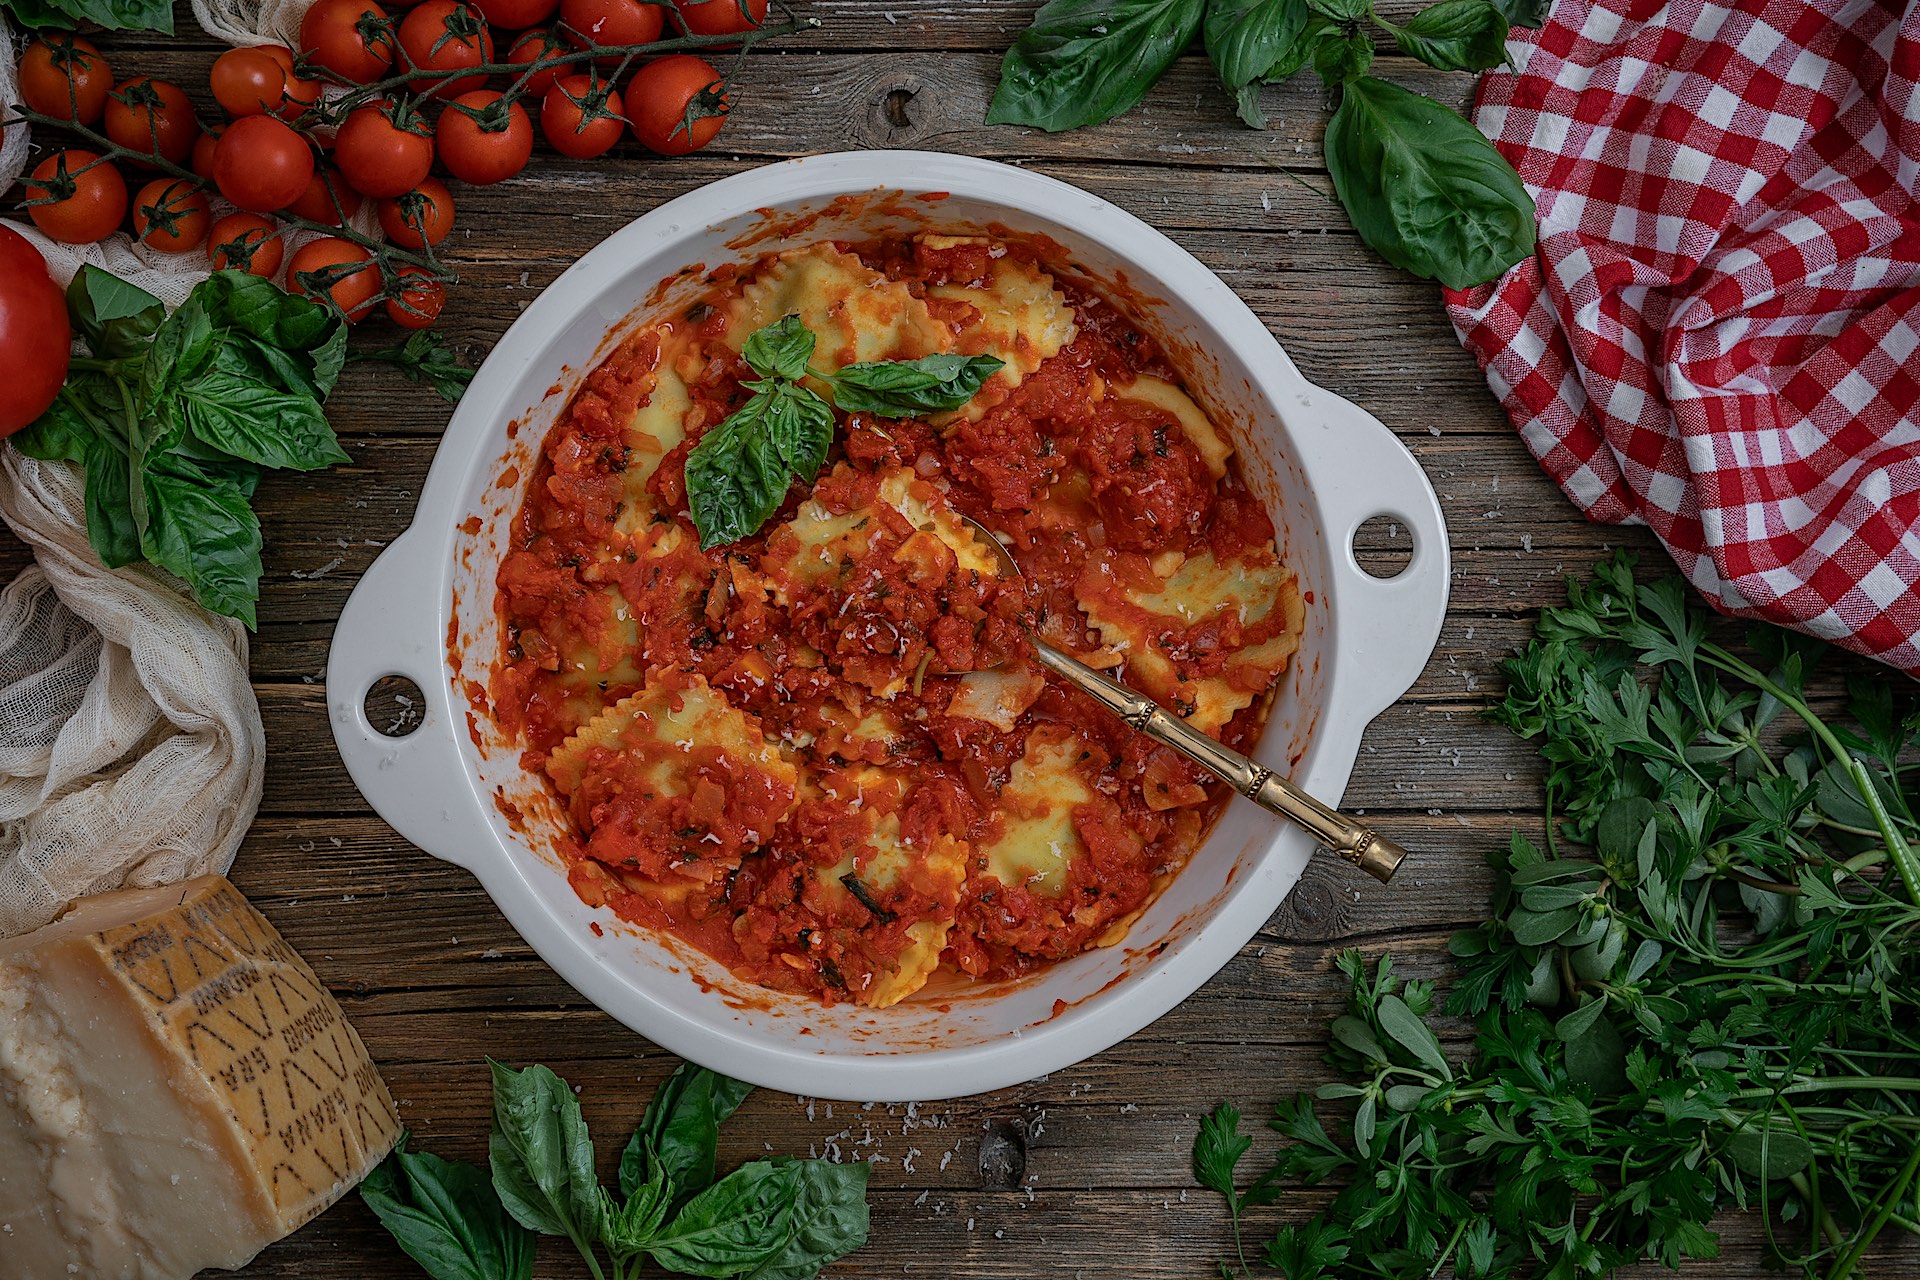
pixel 739 473
pixel 1447 205
pixel 115 15
pixel 778 1219
pixel 176 417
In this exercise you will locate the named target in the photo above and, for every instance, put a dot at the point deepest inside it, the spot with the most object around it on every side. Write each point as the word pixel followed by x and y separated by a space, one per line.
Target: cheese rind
pixel 177 1089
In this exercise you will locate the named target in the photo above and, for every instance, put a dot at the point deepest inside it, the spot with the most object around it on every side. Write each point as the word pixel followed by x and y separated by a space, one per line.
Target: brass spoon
pixel 1366 848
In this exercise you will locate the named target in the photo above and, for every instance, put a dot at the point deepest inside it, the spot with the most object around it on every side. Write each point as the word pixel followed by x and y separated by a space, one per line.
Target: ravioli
pixel 1253 595
pixel 856 314
pixel 1037 841
pixel 1023 320
pixel 1188 416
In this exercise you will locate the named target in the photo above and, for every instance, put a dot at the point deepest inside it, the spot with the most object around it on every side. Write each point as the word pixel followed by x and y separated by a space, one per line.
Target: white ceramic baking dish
pixel 425 610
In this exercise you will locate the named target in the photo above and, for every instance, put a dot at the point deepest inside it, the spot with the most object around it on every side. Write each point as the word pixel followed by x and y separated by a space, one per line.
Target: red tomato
pixel 421 217
pixel 203 147
pixel 149 116
pixel 445 35
pixel 298 95
pixel 246 242
pixel 487 149
pixel 170 215
pixel 65 76
pixel 318 204
pixel 350 288
pixel 515 15
pixel 564 111
pixel 261 165
pixel 533 46
pixel 613 22
pixel 91 197
pixel 720 17
pixel 380 152
pixel 247 82
pixel 660 97
pixel 419 302
pixel 351 38
pixel 34 334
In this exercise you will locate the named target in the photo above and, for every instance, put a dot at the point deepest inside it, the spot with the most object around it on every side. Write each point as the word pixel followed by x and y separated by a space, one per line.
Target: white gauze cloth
pixel 131 751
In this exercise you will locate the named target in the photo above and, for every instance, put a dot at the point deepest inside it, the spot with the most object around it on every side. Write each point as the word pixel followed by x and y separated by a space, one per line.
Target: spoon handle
pixel 1366 848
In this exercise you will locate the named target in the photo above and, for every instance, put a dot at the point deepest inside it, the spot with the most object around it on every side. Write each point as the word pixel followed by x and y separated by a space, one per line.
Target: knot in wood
pixel 1003 1155
pixel 899 110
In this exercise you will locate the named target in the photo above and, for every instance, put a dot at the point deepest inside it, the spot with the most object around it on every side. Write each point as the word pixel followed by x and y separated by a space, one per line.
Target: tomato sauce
pixel 786 752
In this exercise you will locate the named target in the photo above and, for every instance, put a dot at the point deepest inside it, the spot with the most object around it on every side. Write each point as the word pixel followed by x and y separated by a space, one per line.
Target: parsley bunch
pixel 1703 994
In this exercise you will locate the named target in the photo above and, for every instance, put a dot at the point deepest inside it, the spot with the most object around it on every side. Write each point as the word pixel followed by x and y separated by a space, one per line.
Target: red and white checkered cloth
pixel 1717 337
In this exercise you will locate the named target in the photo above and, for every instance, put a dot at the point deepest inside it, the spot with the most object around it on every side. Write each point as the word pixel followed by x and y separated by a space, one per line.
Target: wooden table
pixel 1098 1184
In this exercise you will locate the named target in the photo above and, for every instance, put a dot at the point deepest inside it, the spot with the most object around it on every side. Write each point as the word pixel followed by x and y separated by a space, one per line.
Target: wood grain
pixel 435 978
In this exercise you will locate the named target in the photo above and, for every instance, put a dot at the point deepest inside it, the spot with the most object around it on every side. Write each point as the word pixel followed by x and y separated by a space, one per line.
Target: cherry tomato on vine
pixel 720 17
pixel 564 112
pixel 483 143
pixel 246 242
pixel 420 300
pixel 533 46
pixel 90 197
pixel 318 204
pixel 203 149
pixel 261 164
pixel 667 91
pixel 517 15
pixel 297 95
pixel 149 115
pixel 65 77
pixel 171 216
pixel 421 217
pixel 613 22
pixel 352 288
pixel 247 82
pixel 34 333
pixel 380 152
pixel 351 38
pixel 445 35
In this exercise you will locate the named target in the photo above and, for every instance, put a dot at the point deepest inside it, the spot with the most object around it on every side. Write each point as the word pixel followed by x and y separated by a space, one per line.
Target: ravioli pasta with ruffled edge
pixel 823 754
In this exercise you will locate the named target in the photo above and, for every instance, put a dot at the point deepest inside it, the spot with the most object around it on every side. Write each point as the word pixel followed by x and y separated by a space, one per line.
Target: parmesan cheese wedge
pixel 177 1089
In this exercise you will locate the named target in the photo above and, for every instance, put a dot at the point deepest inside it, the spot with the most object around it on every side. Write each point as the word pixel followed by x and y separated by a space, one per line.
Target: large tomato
pixel 91 197
pixel 421 217
pixel 720 17
pixel 480 142
pixel 170 215
pixel 262 165
pixel 246 242
pixel 351 287
pixel 34 335
pixel 65 76
pixel 664 93
pixel 613 22
pixel 564 111
pixel 445 35
pixel 383 150
pixel 146 115
pixel 351 38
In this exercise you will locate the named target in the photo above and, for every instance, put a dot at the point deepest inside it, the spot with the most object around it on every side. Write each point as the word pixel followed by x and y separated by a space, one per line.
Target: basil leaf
pixel 119 15
pixel 114 317
pixel 38 14
pixel 679 1137
pixel 425 359
pixel 1424 188
pixel 629 1228
pixel 542 1155
pixel 780 349
pixel 739 473
pixel 292 332
pixel 200 529
pixel 1455 35
pixel 445 1216
pixel 1341 54
pixel 180 348
pixel 1524 13
pixel 1342 10
pixel 734 1225
pixel 901 388
pixel 1246 40
pixel 830 1220
pixel 252 421
pixel 111 530
pixel 1084 61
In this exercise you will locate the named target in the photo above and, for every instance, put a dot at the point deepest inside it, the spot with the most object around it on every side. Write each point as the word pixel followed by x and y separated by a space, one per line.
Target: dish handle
pixel 1386 626
pixel 418 783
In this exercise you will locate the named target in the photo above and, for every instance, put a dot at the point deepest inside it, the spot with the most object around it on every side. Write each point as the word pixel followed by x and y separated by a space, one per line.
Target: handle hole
pixel 395 706
pixel 1383 547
